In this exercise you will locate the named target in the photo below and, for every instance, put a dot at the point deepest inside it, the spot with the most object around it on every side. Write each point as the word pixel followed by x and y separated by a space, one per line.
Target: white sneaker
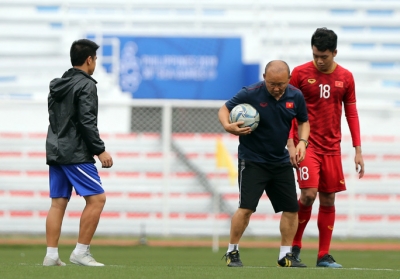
pixel 50 262
pixel 84 259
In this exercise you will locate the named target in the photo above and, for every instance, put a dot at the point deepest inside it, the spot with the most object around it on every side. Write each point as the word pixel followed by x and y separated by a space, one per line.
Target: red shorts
pixel 324 172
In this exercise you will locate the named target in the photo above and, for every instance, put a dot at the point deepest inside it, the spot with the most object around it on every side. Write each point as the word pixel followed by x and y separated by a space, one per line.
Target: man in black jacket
pixel 72 142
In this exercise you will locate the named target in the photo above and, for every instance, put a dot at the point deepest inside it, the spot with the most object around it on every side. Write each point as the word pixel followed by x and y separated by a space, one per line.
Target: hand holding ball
pixel 246 113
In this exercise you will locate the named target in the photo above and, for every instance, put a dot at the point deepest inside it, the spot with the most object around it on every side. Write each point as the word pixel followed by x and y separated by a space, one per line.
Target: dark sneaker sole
pixel 299 266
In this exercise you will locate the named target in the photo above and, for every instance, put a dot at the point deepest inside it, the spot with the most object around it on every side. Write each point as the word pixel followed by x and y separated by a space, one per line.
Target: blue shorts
pixel 84 178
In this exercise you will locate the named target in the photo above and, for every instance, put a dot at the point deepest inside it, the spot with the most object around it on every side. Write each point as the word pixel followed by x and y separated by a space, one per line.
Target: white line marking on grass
pixel 379 269
pixel 108 265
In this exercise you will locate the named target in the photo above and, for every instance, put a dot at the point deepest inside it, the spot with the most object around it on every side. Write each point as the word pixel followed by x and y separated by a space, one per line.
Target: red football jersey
pixel 324 95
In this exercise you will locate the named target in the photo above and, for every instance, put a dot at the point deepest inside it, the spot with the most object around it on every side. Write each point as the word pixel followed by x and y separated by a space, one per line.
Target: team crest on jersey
pixel 311 80
pixel 338 83
pixel 289 105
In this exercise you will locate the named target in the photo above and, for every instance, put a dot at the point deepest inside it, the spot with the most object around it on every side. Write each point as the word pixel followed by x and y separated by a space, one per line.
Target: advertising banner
pixel 177 67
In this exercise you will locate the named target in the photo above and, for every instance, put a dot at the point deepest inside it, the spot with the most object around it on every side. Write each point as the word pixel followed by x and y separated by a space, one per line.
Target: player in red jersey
pixel 326 87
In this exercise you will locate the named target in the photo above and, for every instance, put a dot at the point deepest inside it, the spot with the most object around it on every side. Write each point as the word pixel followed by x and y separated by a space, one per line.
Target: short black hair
pixel 324 39
pixel 81 50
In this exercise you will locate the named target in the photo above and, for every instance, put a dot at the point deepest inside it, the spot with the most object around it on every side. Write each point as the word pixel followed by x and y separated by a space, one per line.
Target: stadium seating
pixel 139 194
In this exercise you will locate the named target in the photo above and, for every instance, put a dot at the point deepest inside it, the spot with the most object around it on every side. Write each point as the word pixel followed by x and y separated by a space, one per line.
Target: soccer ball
pixel 246 113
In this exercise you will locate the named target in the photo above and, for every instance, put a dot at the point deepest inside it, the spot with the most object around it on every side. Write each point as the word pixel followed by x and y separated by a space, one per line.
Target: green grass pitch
pixel 21 261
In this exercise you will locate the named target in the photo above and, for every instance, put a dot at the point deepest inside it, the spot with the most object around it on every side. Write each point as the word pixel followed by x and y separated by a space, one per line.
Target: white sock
pixel 52 253
pixel 283 250
pixel 233 247
pixel 81 249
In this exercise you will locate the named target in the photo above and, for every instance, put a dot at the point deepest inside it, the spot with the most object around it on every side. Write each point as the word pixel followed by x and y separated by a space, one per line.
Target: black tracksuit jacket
pixel 73 136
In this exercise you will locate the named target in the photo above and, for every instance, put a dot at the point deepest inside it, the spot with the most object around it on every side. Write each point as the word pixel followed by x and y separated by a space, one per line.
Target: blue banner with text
pixel 177 67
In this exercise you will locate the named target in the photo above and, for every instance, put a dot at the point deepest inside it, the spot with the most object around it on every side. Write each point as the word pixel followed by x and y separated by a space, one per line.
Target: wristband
pixel 305 141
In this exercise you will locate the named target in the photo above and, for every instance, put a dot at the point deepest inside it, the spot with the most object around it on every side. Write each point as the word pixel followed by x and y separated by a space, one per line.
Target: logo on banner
pixel 130 71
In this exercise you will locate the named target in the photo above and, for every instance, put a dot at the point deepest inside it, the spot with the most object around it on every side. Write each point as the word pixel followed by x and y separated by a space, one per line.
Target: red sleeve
pixel 291 132
pixel 293 79
pixel 350 96
pixel 354 124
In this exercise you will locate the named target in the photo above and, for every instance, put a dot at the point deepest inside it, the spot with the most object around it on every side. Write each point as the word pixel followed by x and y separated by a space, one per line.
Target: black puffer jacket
pixel 73 137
